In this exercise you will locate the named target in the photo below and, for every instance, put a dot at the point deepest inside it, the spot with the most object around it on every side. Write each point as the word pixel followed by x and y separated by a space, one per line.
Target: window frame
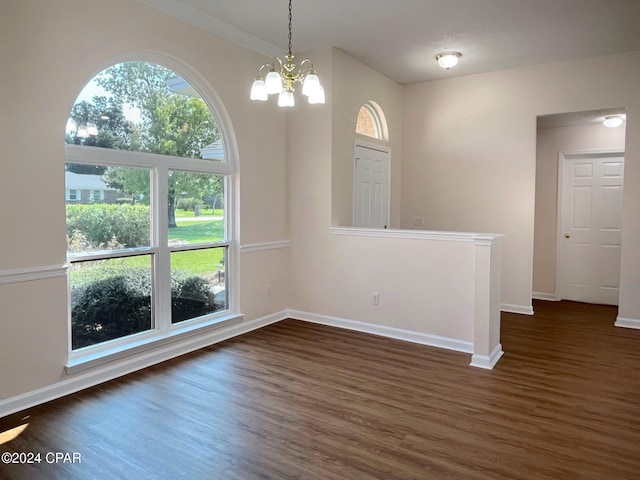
pixel 96 198
pixel 75 191
pixel 162 328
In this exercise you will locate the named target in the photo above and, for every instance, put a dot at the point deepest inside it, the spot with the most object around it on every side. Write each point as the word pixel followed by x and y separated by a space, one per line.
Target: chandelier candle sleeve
pixel 282 77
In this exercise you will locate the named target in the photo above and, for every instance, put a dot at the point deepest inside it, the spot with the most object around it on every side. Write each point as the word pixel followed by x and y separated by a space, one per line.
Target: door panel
pixel 590 228
pixel 371 205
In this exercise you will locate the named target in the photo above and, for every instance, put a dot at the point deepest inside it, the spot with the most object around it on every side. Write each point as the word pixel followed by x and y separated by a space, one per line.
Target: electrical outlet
pixel 418 221
pixel 375 299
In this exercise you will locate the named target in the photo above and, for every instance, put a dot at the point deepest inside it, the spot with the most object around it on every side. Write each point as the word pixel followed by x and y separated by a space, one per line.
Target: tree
pixel 113 129
pixel 170 124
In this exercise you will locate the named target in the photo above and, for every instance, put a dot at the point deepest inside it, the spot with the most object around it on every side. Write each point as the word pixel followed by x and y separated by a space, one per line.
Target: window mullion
pixel 162 265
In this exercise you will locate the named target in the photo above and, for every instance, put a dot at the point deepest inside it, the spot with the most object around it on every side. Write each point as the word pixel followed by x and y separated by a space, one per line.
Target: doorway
pixel 582 144
pixel 371 189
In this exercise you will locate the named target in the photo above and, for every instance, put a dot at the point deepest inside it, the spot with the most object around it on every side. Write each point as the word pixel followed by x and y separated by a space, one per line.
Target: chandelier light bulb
pixel 286 99
pixel 273 82
pixel 448 59
pixel 310 85
pixel 259 90
pixel 318 96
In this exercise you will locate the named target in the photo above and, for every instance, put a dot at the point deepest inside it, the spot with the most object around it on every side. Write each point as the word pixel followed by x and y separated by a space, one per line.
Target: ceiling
pixel 400 38
pixel 591 117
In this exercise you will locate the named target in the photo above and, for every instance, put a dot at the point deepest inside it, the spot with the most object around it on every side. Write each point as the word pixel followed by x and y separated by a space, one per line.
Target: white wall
pixel 354 84
pixel 49 50
pixel 469 156
pixel 551 142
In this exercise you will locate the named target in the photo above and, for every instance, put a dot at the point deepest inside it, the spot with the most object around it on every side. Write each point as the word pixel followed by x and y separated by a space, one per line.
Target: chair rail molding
pixel 30 274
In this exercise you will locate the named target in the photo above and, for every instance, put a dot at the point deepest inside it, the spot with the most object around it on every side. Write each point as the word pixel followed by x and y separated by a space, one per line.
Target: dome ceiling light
pixel 448 59
pixel 613 121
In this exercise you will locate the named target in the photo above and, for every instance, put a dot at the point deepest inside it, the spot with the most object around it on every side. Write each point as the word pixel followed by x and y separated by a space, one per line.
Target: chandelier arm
pixel 306 66
pixel 262 68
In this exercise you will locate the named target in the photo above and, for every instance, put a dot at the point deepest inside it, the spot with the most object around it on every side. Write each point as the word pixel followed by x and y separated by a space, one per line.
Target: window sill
pixel 93 359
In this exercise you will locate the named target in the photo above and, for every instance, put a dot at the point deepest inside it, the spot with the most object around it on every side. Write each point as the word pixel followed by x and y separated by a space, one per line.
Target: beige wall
pixel 425 286
pixel 551 142
pixel 50 49
pixel 469 156
pixel 354 84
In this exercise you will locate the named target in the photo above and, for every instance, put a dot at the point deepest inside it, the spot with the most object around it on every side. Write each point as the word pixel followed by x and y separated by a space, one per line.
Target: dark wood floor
pixel 300 401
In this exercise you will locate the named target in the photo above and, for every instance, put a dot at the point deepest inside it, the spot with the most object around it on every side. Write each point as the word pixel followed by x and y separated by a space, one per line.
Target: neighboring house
pixel 83 188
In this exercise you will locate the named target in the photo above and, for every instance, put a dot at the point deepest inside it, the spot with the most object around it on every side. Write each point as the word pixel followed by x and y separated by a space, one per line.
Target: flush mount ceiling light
pixel 448 59
pixel 283 76
pixel 613 121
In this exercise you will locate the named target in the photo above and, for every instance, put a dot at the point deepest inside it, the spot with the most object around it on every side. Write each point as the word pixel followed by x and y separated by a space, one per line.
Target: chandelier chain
pixel 290 27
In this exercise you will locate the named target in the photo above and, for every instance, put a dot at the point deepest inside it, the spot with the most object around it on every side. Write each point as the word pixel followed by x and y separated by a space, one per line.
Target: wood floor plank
pixel 302 401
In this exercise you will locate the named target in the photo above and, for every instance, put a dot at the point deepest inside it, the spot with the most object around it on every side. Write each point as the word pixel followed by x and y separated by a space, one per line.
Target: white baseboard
pixel 487 362
pixel 549 297
pixel 116 369
pixel 628 323
pixel 520 309
pixel 385 331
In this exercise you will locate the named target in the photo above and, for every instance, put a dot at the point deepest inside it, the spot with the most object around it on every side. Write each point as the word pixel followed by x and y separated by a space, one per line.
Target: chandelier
pixel 283 76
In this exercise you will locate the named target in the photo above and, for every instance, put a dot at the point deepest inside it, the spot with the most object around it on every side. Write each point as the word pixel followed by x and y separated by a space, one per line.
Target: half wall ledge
pixel 483 291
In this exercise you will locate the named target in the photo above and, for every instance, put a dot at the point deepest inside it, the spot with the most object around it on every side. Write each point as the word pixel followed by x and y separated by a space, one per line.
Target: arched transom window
pixel 371 121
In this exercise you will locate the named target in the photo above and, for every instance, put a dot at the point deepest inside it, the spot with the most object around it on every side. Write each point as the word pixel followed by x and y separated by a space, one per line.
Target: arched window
pixel 371 122
pixel 147 191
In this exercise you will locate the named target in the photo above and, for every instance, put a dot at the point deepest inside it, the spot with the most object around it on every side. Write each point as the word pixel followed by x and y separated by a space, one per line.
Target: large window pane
pixel 144 107
pixel 198 283
pixel 110 299
pixel 107 208
pixel 198 206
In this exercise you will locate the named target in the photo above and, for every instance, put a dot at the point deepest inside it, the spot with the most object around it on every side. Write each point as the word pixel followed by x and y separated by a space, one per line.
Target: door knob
pixel 566 235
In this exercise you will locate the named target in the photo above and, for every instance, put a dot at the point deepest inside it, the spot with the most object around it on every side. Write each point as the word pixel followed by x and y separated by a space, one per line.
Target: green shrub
pixel 112 301
pixel 191 296
pixel 109 306
pixel 127 225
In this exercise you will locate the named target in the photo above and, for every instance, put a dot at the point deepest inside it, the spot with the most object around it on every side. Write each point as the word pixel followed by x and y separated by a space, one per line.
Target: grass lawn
pixel 205 211
pixel 197 231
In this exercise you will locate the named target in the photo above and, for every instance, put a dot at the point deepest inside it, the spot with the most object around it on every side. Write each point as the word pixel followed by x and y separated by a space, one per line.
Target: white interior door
pixel 590 227
pixel 371 202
